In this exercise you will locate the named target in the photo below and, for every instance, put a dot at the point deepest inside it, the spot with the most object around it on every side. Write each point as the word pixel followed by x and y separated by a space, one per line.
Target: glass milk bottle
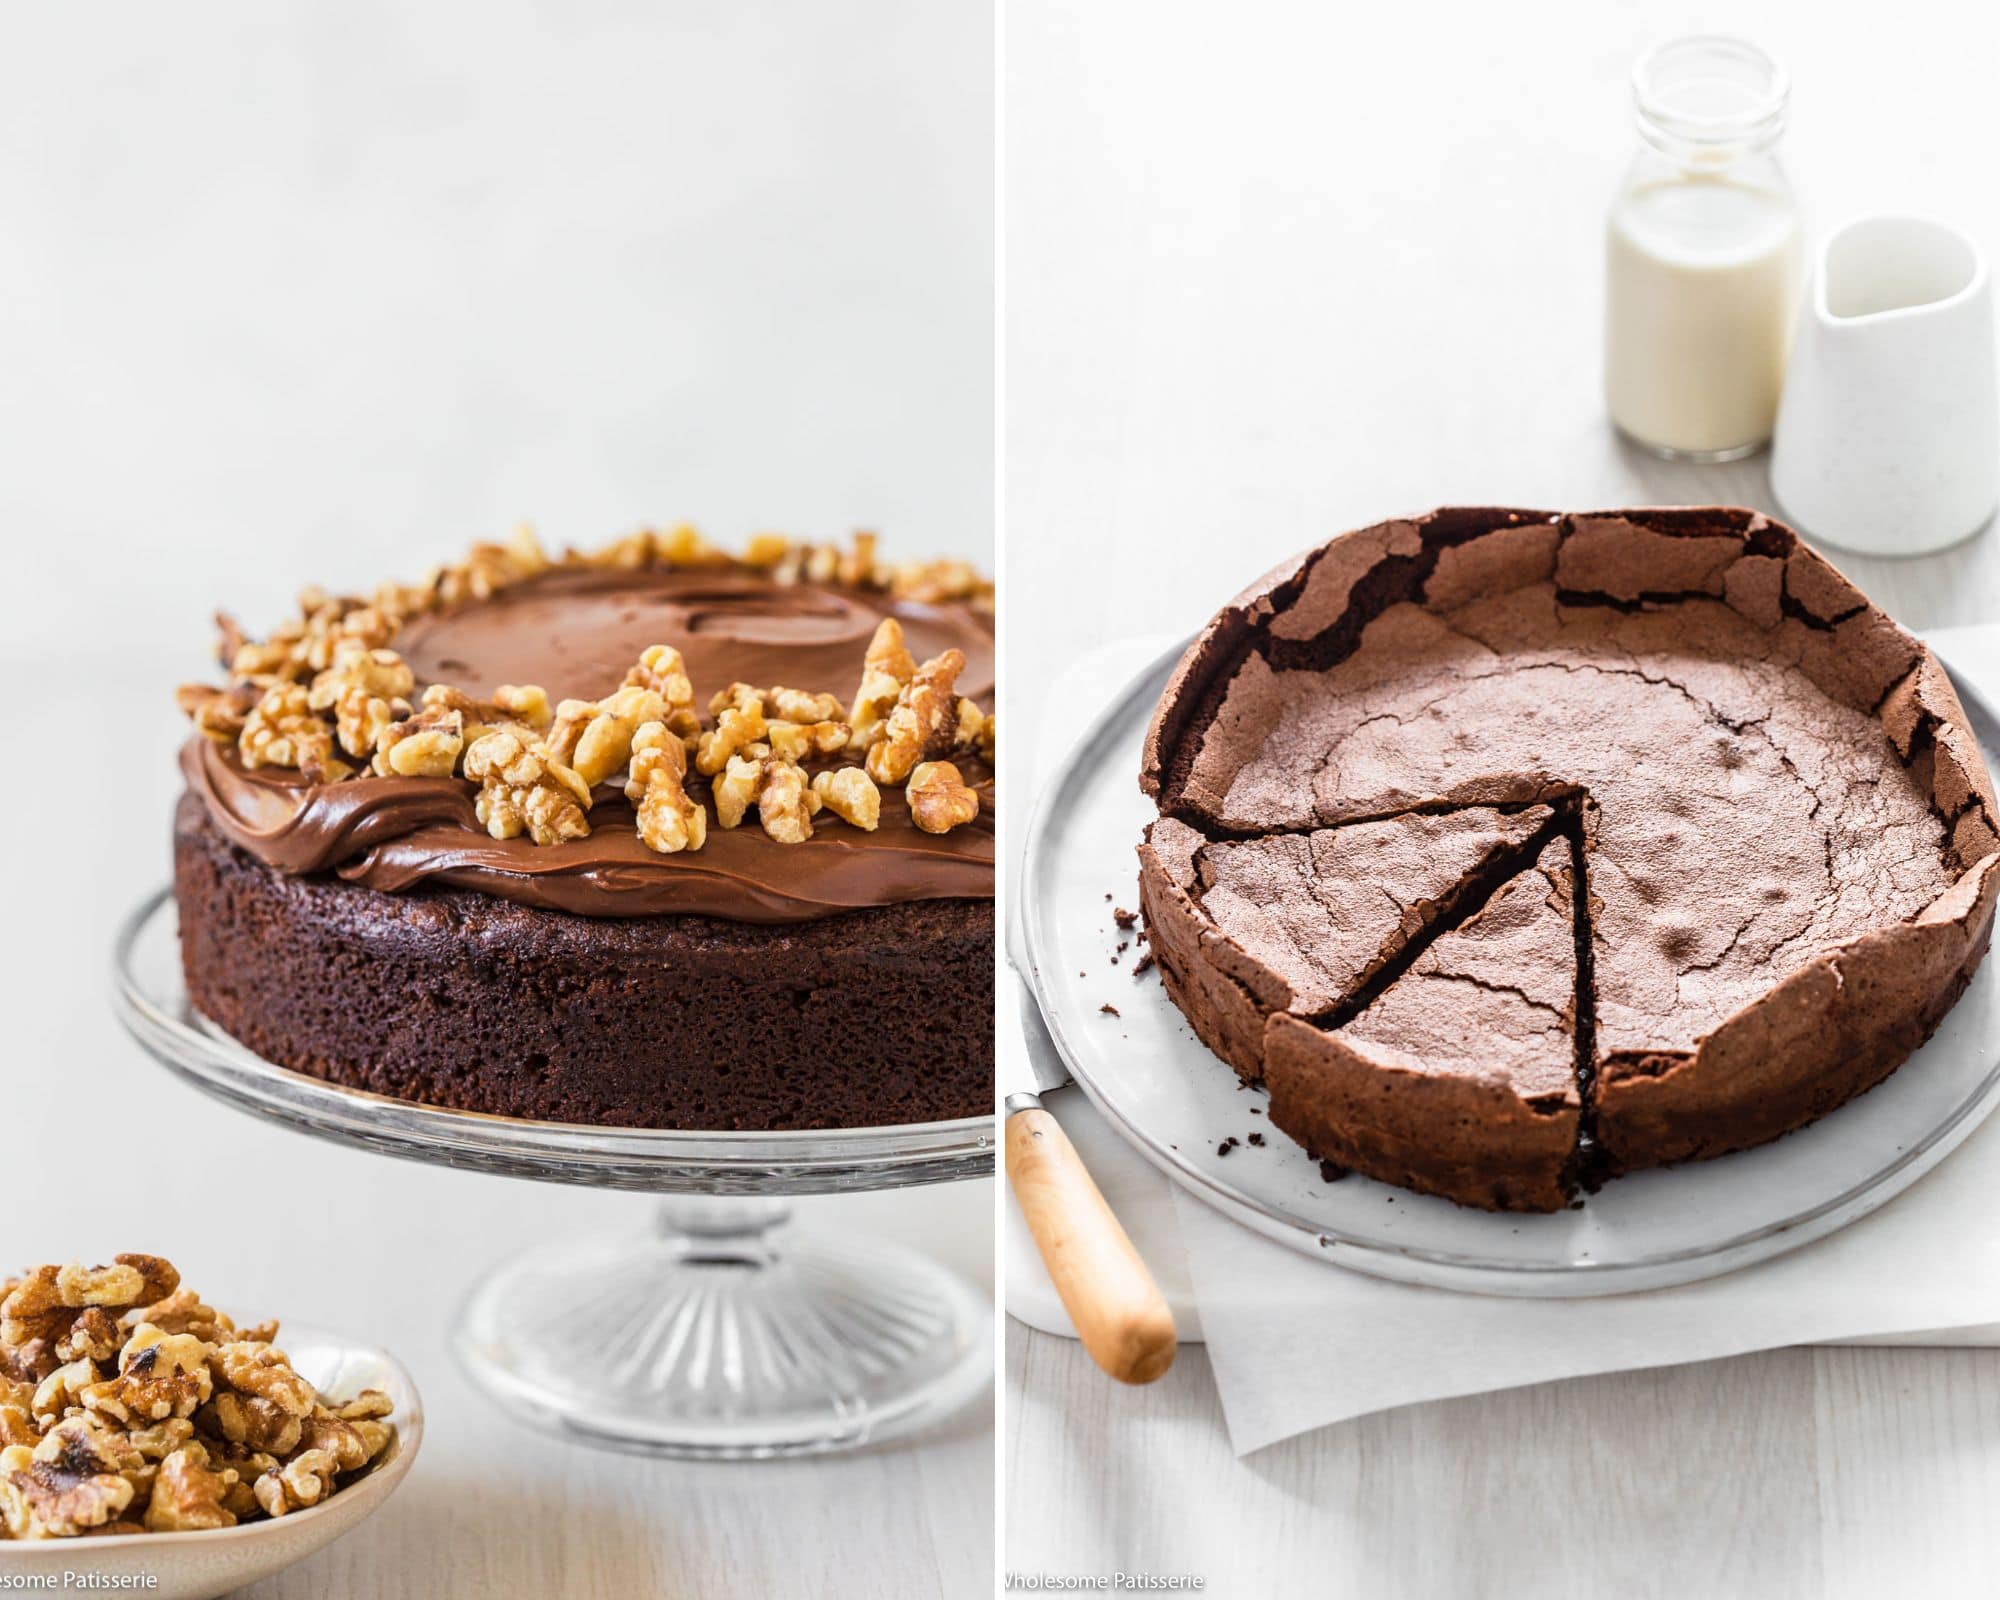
pixel 1702 255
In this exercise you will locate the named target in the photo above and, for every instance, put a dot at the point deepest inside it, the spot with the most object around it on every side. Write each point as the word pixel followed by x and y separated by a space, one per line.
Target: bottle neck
pixel 1709 103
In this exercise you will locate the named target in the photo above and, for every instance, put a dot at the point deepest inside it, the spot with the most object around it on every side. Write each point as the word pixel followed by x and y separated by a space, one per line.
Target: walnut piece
pixel 850 794
pixel 668 820
pixel 736 729
pixel 886 667
pixel 795 705
pixel 160 1375
pixel 661 669
pixel 800 741
pixel 785 800
pixel 366 690
pixel 922 723
pixel 939 798
pixel 282 731
pixel 72 1481
pixel 427 744
pixel 594 737
pixel 187 1497
pixel 219 714
pixel 524 789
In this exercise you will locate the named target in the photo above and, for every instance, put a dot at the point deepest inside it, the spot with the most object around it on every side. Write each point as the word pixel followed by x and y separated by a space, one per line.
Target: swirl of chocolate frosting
pixel 576 632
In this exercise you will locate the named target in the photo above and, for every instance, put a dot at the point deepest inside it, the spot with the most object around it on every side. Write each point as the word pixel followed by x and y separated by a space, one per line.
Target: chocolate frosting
pixel 576 633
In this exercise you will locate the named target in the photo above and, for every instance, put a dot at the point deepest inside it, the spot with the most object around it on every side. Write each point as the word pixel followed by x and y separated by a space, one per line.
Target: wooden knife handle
pixel 1118 1310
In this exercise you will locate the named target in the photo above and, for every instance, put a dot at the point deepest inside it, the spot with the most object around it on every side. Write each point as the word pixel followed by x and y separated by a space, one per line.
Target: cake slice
pixel 1460 1077
pixel 1302 922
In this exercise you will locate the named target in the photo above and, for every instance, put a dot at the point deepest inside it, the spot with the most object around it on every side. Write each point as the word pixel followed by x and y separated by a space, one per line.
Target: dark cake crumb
pixel 1330 1173
pixel 1256 1138
pixel 1121 916
pixel 1226 1146
pixel 1108 1009
pixel 1142 966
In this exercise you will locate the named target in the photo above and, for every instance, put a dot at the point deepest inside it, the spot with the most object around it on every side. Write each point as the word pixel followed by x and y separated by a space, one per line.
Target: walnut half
pixel 668 820
pixel 939 798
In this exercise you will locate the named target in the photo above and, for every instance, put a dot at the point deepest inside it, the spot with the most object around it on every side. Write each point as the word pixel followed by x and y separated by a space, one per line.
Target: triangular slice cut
pixel 1324 911
pixel 1459 1078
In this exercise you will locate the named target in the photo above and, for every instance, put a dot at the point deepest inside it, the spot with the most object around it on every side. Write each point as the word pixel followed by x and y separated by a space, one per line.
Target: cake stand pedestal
pixel 725 1333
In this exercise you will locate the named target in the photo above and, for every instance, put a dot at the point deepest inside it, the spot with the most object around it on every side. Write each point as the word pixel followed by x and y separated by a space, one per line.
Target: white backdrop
pixel 1278 269
pixel 293 290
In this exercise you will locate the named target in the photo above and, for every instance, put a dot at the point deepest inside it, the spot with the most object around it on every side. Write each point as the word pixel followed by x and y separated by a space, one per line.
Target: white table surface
pixel 1291 269
pixel 294 292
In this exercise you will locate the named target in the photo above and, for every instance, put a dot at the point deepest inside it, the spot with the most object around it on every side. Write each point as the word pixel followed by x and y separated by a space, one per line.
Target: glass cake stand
pixel 723 1334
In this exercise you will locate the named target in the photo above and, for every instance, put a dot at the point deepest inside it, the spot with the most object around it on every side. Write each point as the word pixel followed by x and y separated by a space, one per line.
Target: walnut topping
pixel 736 729
pixel 786 803
pixel 661 669
pixel 218 714
pixel 799 741
pixel 939 799
pixel 594 737
pixel 281 731
pixel 923 722
pixel 975 730
pixel 327 695
pixel 850 794
pixel 668 820
pixel 887 666
pixel 938 582
pixel 426 745
pixel 785 800
pixel 524 789
pixel 735 789
pixel 366 690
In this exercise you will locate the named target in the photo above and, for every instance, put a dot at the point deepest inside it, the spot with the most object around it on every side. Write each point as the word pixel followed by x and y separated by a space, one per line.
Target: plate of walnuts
pixel 148 1442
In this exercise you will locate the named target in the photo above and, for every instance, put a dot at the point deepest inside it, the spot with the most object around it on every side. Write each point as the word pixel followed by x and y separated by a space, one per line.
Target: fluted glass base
pixel 727 1334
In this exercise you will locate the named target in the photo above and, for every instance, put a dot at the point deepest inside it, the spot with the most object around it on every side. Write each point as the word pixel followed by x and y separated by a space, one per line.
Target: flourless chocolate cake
pixel 609 838
pixel 1654 794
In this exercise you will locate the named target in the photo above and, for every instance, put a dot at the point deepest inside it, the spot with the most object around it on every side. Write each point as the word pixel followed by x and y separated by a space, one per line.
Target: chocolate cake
pixel 404 865
pixel 1514 851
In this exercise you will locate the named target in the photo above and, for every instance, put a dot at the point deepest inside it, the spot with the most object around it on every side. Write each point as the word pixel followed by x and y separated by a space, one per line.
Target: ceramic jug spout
pixel 1882 268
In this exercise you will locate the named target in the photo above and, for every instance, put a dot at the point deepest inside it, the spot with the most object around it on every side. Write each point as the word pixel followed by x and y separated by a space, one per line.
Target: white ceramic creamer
pixel 1889 437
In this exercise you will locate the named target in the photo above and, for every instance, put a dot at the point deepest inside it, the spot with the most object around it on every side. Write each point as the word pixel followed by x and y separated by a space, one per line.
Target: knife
pixel 1119 1312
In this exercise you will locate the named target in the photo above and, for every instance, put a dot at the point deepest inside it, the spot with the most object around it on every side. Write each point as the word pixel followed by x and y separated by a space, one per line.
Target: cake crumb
pixel 1226 1146
pixel 1143 965
pixel 1330 1173
pixel 1121 916
pixel 1256 1138
pixel 1108 1009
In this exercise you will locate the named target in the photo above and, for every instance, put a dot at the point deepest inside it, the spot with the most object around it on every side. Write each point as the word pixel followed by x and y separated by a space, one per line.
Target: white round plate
pixel 1176 1102
pixel 201 1566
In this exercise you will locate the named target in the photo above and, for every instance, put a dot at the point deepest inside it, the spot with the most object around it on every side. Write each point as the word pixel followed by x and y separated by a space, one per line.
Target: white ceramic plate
pixel 201 1566
pixel 1172 1099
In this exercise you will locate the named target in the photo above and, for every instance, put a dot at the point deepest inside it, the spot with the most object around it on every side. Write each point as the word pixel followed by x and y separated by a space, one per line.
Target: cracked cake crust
pixel 1785 827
